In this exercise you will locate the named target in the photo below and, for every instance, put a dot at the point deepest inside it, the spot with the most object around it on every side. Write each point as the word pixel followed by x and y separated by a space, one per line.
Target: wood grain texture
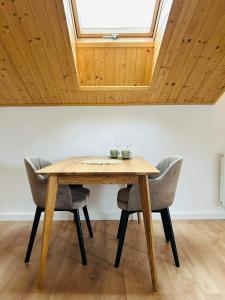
pixel 119 43
pixel 147 216
pixel 109 179
pixel 74 166
pixel 188 52
pixel 49 211
pixel 200 245
pixel 43 63
pixel 111 66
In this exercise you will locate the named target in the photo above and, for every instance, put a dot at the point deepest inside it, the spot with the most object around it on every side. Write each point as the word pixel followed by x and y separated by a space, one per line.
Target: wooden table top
pixel 73 166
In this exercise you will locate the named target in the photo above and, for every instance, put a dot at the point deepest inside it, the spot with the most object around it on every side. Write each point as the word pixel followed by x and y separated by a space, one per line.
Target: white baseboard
pixel 97 215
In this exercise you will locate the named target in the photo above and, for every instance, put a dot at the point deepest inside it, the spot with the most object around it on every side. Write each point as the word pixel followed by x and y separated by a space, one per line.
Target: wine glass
pixel 118 143
pixel 127 141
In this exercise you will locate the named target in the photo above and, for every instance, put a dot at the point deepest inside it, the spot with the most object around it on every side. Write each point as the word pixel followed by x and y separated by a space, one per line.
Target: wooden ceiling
pixel 115 66
pixel 39 58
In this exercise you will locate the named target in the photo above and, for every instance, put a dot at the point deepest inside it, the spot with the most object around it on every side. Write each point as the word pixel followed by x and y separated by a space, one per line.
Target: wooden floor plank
pixel 200 245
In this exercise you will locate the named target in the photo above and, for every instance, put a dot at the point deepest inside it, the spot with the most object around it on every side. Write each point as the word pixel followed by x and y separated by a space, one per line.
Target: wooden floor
pixel 201 246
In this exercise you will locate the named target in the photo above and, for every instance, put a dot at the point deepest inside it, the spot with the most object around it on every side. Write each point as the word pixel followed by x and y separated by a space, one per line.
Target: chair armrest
pixel 64 198
pixel 42 179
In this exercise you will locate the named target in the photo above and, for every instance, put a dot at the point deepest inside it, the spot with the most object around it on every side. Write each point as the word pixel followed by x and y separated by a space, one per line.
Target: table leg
pixel 49 212
pixel 147 216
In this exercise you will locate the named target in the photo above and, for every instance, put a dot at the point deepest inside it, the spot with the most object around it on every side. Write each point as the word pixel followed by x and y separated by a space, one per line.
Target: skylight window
pixel 96 18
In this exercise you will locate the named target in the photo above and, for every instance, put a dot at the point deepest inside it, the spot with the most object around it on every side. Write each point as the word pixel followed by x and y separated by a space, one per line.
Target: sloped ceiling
pixel 38 57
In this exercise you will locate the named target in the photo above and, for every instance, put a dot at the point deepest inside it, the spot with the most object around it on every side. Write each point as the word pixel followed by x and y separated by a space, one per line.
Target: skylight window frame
pixel 158 4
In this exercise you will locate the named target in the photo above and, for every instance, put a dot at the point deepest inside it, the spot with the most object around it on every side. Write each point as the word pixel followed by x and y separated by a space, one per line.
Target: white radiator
pixel 222 179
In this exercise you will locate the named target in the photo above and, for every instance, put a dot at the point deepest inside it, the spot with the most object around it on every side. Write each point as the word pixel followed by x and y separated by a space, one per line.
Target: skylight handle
pixel 113 36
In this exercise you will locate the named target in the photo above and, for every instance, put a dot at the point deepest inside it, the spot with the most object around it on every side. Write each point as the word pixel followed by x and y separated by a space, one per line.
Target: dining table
pixel 77 170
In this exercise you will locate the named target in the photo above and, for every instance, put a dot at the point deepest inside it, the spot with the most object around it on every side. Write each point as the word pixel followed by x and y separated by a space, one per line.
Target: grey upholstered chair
pixel 69 198
pixel 162 191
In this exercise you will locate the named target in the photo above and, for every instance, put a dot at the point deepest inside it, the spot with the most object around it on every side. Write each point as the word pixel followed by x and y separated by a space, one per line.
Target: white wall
pixel 195 132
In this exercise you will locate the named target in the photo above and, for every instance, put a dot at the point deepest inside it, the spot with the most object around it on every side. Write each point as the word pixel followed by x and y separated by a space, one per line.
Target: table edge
pixel 97 173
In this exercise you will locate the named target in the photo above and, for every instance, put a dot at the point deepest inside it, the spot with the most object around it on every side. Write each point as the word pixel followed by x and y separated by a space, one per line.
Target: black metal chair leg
pixel 86 215
pixel 164 222
pixel 33 233
pixel 172 238
pixel 120 224
pixel 122 234
pixel 80 236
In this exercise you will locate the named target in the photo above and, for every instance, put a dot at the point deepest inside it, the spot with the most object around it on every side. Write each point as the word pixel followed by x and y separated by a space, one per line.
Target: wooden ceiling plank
pixel 182 23
pixel 89 59
pixel 216 91
pixel 6 96
pixel 8 12
pixel 131 55
pixel 189 59
pixel 9 85
pixel 100 97
pixel 188 41
pixel 100 66
pixel 146 97
pixel 202 65
pixel 17 57
pixel 208 64
pixel 72 35
pixel 178 20
pixel 186 96
pixel 82 98
pixel 119 98
pixel 127 98
pixel 207 30
pixel 8 72
pixel 165 24
pixel 91 98
pixel 46 34
pixel 110 66
pixel 148 66
pixel 18 26
pixel 114 88
pixel 140 69
pixel 160 28
pixel 57 32
pixel 137 98
pixel 81 64
pixel 120 67
pixel 210 80
pixel 68 39
pixel 110 98
pixel 215 78
pixel 220 91
pixel 9 79
pixel 32 34
pixel 210 68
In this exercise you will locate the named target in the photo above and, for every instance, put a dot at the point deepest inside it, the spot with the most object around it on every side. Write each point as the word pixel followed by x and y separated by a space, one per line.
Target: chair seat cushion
pixel 124 201
pixel 79 196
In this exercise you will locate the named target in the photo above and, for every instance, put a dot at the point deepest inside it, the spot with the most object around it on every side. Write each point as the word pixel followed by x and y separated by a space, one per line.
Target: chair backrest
pixel 38 183
pixel 163 188
pixel 166 163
